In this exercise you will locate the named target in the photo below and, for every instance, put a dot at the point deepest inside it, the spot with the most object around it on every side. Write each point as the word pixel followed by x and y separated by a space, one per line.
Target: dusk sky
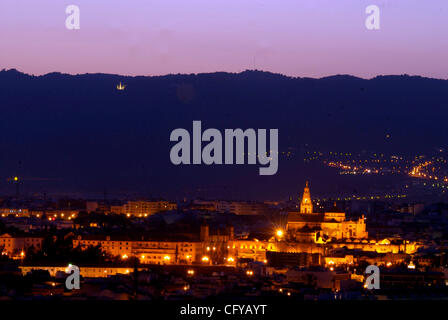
pixel 306 38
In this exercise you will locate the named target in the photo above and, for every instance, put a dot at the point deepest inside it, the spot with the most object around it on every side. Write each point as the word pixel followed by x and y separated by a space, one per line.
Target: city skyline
pixel 300 250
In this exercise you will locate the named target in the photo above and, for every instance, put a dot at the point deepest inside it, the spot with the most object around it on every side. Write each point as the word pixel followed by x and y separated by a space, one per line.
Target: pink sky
pixel 312 38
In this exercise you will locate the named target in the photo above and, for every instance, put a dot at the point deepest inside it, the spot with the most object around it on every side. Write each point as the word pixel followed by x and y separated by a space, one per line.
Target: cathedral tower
pixel 306 206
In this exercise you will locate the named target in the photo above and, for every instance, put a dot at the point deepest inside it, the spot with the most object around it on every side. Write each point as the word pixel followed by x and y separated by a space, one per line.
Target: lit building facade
pixel 15 245
pixel 147 251
pixel 209 248
pixel 87 272
pixel 145 208
pixel 308 226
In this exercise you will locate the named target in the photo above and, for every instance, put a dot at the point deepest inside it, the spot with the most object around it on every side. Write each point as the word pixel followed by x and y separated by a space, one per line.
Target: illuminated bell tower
pixel 306 206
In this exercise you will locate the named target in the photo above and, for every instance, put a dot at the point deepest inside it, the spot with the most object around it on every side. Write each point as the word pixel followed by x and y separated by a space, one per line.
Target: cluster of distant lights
pixel 372 197
pixel 287 154
pixel 143 257
pixel 205 259
pixel 288 293
pixel 37 215
pixel 423 171
pixel 331 265
pixel 192 272
pixel 375 166
pixel 415 167
pixel 20 256
pixel 140 215
pixel 268 154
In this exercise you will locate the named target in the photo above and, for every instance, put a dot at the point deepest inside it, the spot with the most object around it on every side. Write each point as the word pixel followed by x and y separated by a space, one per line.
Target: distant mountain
pixel 66 133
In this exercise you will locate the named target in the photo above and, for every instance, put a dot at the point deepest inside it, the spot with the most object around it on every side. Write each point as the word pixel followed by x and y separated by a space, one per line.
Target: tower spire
pixel 306 206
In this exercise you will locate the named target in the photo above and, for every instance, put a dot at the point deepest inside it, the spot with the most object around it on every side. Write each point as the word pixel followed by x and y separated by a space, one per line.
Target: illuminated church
pixel 309 226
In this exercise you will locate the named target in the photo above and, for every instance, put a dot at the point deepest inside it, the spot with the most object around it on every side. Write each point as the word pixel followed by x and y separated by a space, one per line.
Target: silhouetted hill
pixel 78 133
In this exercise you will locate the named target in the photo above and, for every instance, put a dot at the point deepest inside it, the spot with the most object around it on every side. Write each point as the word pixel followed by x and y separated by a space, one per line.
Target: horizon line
pixel 216 72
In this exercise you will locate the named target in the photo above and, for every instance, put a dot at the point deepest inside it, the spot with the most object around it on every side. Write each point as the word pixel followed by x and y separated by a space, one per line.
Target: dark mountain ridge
pixel 79 133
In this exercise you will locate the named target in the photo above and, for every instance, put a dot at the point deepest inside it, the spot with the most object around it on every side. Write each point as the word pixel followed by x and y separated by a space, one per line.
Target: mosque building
pixel 309 226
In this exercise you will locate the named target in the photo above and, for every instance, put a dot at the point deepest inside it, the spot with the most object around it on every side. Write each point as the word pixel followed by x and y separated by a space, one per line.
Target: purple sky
pixel 312 38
